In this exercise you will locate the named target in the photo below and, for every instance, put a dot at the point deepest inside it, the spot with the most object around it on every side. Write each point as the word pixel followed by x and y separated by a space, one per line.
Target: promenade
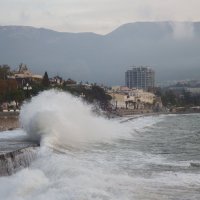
pixel 9 120
pixel 125 112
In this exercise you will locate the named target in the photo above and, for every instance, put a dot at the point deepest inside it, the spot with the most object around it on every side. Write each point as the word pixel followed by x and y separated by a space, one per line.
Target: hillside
pixel 172 49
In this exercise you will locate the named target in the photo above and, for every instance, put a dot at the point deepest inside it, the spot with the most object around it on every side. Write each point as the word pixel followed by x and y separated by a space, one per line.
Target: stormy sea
pixel 83 156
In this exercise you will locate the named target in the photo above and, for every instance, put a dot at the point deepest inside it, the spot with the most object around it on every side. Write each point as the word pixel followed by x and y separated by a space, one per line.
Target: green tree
pixel 4 71
pixel 36 88
pixel 169 98
pixel 18 95
pixel 45 80
pixel 97 94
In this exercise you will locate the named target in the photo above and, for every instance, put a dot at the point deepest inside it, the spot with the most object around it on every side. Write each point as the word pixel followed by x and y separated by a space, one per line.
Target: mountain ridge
pixel 171 48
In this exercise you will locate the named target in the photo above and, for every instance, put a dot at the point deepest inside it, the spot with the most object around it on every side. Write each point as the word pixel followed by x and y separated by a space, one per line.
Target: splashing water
pixel 59 119
pixel 147 158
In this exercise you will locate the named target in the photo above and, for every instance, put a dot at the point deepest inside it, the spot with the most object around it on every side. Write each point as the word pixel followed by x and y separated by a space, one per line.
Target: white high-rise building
pixel 140 78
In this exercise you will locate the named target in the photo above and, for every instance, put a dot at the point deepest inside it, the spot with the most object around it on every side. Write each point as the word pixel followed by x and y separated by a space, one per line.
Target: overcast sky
pixel 100 16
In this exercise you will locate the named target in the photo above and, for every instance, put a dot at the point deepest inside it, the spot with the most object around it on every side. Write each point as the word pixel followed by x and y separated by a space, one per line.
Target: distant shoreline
pixel 141 113
pixel 10 120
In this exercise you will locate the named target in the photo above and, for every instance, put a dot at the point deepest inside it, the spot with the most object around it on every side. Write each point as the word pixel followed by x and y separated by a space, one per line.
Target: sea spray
pixel 152 164
pixel 59 119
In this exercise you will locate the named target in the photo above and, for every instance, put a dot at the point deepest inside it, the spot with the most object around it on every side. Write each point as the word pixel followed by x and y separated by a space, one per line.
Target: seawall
pixel 125 112
pixel 9 120
pixel 16 154
pixel 13 161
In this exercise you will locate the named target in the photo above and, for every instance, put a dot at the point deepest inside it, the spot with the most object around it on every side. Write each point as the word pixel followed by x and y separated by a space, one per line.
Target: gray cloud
pixel 99 16
pixel 182 30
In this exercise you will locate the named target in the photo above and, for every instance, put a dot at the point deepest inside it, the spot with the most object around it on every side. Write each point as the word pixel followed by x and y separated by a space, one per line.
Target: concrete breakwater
pixel 16 154
pixel 13 161
pixel 9 120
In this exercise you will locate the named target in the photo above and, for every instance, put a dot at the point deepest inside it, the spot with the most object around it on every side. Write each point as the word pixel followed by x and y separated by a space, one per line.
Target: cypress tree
pixel 45 80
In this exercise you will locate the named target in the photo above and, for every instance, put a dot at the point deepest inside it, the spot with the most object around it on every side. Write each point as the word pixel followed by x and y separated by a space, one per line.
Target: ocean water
pixel 84 156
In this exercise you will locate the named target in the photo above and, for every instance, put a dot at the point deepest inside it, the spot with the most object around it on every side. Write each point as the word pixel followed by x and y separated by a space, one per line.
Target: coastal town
pixel 139 94
pixel 99 100
pixel 138 97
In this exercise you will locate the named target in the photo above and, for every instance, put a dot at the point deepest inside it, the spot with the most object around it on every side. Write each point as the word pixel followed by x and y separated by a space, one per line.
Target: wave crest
pixel 58 118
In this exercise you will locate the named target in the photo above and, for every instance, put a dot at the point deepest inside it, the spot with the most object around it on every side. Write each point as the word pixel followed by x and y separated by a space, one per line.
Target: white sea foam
pixel 93 176
pixel 59 119
pixel 116 165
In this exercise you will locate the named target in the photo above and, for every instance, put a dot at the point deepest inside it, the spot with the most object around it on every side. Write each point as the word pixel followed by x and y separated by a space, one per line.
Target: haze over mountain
pixel 171 48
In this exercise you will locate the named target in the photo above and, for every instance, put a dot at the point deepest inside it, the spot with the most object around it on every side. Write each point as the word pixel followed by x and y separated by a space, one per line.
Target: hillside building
pixel 123 97
pixel 140 78
pixel 23 76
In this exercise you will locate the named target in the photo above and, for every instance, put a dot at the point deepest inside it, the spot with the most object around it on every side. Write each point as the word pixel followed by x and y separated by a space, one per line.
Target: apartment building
pixel 140 78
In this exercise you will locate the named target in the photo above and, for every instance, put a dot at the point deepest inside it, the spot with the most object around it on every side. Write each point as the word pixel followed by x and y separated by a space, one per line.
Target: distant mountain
pixel 171 48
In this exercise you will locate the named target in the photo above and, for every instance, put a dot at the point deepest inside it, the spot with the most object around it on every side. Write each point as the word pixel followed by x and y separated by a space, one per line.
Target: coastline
pixel 10 120
pixel 141 113
pixel 16 154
